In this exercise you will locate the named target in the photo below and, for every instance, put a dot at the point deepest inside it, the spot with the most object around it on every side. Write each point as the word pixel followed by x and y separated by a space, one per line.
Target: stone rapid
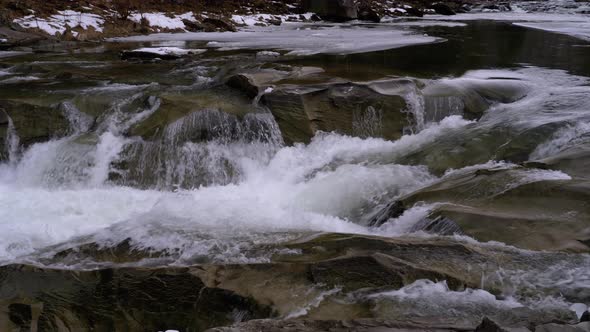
pixel 421 180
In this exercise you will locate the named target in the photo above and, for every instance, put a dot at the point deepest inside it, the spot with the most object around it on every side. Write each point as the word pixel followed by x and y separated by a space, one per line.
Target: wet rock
pixel 174 107
pixel 487 204
pixel 581 327
pixel 32 123
pixel 245 83
pixel 469 97
pixel 439 225
pixel 307 325
pixel 118 300
pixel 370 272
pixel 390 211
pixel 253 82
pixel 321 279
pixel 373 109
pixel 488 325
pixel 442 9
pixel 332 10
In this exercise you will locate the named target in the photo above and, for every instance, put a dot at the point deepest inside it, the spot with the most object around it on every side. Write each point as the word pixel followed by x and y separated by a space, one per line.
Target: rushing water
pixel 212 186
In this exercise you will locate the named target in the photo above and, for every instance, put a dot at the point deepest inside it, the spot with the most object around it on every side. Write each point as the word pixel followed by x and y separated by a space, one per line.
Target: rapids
pixel 217 187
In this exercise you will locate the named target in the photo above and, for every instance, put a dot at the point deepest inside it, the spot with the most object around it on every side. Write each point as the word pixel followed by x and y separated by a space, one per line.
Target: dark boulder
pixel 368 14
pixel 219 24
pixel 412 11
pixel 332 10
pixel 443 9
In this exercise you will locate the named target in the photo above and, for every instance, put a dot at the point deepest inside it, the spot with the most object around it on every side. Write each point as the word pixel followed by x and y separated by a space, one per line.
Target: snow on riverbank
pixel 163 20
pixel 59 22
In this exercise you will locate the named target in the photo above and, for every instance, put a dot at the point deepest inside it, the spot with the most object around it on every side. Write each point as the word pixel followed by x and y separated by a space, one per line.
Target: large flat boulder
pixel 373 109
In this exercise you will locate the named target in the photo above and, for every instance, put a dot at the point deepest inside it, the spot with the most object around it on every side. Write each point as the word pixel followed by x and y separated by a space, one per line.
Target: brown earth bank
pixel 209 15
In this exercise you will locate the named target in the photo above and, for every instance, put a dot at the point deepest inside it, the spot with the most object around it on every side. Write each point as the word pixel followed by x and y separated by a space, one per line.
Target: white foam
pixel 303 188
pixel 437 295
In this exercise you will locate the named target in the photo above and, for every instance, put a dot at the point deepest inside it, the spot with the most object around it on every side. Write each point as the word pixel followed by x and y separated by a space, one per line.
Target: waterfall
pixel 13 143
pixel 415 109
pixel 439 107
pixel 203 148
pixel 367 122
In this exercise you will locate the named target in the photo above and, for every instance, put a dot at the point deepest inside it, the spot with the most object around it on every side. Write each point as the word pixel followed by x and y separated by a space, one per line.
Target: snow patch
pixel 162 20
pixel 267 54
pixel 58 23
pixel 169 50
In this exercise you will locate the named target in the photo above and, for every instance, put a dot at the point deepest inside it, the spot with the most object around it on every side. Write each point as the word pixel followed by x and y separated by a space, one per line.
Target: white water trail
pixel 563 139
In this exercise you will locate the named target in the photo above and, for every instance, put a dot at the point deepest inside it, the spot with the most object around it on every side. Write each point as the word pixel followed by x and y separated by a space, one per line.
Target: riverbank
pixel 25 23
